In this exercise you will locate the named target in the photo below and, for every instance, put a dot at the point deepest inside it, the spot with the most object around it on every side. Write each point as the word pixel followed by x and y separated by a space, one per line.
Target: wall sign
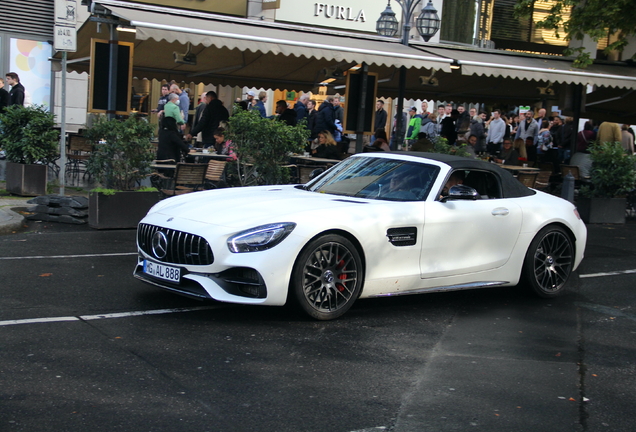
pixel 353 15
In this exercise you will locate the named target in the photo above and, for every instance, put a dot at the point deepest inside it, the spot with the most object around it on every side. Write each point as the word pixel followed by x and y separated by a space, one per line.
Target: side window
pixel 485 183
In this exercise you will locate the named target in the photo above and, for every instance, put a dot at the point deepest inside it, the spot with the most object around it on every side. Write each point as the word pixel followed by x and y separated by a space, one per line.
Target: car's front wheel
pixel 549 261
pixel 327 277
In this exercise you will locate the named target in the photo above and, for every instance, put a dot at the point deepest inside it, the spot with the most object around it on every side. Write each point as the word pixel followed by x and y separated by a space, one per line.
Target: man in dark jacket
pixel 380 116
pixel 325 118
pixel 285 114
pixel 311 117
pixel 213 114
pixel 16 95
pixel 301 107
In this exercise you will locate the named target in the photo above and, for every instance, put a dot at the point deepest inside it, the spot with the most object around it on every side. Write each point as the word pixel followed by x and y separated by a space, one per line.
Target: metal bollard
pixel 567 189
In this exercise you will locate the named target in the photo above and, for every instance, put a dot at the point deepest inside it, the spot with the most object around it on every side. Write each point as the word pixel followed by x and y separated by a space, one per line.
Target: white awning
pixel 528 67
pixel 247 35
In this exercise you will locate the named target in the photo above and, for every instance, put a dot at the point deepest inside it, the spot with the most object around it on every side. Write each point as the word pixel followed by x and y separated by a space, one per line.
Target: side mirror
pixel 462 192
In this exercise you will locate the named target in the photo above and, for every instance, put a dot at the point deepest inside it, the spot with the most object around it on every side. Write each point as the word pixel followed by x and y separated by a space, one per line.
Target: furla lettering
pixel 338 12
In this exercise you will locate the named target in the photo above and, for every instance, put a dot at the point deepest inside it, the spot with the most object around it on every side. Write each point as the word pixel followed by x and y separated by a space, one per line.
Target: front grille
pixel 183 248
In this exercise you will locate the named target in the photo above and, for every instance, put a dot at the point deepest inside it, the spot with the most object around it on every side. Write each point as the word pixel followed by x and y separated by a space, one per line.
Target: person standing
pixel 259 104
pixel 380 116
pixel 213 114
pixel 415 124
pixel 338 109
pixel 4 96
pixel 301 107
pixel 311 117
pixel 528 131
pixel 184 103
pixel 627 139
pixel 171 144
pixel 285 114
pixel 326 117
pixel 449 128
pixel 16 95
pixel 198 113
pixel 609 132
pixel 163 99
pixel 496 133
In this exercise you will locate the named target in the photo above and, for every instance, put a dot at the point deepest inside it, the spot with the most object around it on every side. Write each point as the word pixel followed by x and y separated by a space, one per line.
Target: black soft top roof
pixel 512 188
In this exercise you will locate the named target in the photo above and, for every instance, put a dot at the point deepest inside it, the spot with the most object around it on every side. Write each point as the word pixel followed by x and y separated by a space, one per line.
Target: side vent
pixel 406 236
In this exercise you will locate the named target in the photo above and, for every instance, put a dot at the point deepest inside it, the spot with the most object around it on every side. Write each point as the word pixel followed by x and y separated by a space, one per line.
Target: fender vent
pixel 406 236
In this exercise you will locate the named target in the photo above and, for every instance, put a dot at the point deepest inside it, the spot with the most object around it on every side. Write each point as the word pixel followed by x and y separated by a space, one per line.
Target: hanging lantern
pixel 428 22
pixel 387 24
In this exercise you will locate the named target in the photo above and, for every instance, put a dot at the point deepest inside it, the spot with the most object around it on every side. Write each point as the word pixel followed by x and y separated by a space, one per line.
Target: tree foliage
pixel 595 18
pixel 263 146
pixel 28 134
pixel 122 151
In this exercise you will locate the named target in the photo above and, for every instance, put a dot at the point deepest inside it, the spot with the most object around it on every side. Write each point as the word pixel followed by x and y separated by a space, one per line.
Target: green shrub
pixel 122 151
pixel 263 146
pixel 28 134
pixel 613 171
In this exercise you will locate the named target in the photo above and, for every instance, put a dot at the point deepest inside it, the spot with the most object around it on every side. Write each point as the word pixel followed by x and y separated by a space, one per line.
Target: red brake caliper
pixel 341 276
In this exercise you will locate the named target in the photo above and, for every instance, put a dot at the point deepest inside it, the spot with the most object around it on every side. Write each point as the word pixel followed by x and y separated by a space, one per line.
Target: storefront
pixel 25 31
pixel 294 46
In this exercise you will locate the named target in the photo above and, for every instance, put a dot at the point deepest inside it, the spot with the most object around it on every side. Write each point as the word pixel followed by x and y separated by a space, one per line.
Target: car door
pixel 468 236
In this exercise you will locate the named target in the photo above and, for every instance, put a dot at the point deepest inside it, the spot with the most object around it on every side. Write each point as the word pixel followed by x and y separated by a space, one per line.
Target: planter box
pixel 122 210
pixel 26 180
pixel 602 210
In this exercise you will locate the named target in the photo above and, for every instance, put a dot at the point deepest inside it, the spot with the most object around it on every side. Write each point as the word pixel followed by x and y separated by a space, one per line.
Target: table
pixel 200 157
pixel 519 168
pixel 165 166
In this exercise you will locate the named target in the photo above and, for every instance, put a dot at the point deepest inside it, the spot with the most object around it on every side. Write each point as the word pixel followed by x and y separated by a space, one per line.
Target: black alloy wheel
pixel 549 262
pixel 327 277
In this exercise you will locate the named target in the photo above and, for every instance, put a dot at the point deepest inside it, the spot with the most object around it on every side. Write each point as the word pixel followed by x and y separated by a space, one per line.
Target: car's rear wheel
pixel 327 277
pixel 549 261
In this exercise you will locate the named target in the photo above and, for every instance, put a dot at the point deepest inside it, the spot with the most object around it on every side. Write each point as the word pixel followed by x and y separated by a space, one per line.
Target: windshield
pixel 378 178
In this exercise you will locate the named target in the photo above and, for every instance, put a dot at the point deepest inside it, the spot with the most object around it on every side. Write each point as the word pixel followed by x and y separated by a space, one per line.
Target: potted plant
pixel 30 143
pixel 120 161
pixel 612 176
pixel 263 146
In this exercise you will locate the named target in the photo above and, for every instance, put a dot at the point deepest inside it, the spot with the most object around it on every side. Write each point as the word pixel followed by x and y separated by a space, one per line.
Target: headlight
pixel 260 238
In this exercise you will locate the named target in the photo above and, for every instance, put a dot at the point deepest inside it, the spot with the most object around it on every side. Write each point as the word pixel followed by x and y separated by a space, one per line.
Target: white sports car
pixel 376 224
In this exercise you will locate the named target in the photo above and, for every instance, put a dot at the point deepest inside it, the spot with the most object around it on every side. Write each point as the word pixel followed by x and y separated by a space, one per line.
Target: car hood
pixel 240 207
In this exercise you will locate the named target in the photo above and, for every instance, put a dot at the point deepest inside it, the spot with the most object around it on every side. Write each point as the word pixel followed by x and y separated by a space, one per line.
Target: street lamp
pixel 427 24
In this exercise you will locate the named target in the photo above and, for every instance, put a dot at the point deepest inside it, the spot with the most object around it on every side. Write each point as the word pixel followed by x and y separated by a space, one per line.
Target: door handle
pixel 500 211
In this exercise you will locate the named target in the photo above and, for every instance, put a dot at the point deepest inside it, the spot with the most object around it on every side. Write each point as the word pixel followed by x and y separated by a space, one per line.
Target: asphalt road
pixel 84 346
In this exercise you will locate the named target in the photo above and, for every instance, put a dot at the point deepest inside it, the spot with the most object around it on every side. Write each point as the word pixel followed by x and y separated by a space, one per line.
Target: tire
pixel 327 277
pixel 548 262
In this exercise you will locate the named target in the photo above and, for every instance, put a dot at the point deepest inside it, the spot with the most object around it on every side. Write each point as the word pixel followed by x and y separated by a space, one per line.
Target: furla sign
pixel 356 15
pixel 338 12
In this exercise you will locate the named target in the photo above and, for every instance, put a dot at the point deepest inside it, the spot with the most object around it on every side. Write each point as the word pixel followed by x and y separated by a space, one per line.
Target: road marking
pixel 69 256
pixel 614 273
pixel 106 316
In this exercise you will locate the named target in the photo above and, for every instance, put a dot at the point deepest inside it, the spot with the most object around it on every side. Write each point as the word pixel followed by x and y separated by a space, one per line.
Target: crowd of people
pixel 512 138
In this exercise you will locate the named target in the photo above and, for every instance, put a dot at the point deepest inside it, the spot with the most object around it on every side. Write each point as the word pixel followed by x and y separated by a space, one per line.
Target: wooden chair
pixel 78 152
pixel 542 181
pixel 215 174
pixel 187 178
pixel 527 179
pixel 546 166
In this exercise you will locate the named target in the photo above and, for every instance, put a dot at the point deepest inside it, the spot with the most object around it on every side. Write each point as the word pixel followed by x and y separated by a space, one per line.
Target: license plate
pixel 172 274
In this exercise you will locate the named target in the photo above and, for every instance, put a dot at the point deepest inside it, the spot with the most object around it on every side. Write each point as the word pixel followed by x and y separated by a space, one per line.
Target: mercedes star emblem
pixel 159 245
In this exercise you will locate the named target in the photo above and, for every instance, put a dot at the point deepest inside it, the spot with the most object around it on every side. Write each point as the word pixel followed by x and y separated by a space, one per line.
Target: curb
pixel 10 221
